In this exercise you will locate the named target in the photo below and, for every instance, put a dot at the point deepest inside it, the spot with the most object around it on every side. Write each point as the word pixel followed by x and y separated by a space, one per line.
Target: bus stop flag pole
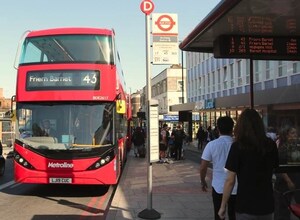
pixel 147 7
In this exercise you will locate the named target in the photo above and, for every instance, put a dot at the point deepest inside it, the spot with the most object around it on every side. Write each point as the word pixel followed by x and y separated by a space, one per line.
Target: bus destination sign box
pixel 63 80
pixel 257 47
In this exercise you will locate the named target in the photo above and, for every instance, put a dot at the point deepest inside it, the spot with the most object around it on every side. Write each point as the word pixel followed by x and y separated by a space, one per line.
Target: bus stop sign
pixel 147 7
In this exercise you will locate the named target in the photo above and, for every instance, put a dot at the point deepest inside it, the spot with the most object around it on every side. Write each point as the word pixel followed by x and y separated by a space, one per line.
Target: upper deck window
pixel 67 49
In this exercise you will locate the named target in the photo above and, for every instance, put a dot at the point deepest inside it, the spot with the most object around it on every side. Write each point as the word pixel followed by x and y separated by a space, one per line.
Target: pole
pixel 148 74
pixel 251 84
pixel 148 213
pixel 182 87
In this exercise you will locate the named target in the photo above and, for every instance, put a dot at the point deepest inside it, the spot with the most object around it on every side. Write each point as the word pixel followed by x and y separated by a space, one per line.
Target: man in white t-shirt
pixel 216 152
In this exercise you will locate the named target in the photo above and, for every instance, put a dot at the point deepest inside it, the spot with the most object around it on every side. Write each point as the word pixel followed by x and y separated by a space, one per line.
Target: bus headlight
pixel 20 160
pixel 105 159
pixel 102 162
pixel 97 165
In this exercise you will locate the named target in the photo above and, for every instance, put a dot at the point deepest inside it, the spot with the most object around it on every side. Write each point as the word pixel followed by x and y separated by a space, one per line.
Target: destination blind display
pixel 263 48
pixel 63 80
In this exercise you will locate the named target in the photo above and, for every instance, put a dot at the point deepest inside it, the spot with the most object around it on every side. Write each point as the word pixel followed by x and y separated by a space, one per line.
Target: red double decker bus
pixel 72 109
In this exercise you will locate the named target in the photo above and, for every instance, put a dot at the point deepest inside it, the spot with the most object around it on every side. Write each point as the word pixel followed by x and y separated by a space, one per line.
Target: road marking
pixel 15 185
pixel 8 184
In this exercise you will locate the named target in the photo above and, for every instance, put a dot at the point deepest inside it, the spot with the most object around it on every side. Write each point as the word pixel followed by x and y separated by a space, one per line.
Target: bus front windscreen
pixel 66 126
pixel 67 49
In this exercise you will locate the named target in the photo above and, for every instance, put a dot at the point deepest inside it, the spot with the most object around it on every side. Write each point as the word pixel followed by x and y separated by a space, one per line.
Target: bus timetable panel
pixel 258 47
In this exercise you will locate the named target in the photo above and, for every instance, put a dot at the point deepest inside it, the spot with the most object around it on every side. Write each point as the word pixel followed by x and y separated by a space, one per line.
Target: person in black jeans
pixel 201 137
pixel 1 148
pixel 179 136
pixel 138 139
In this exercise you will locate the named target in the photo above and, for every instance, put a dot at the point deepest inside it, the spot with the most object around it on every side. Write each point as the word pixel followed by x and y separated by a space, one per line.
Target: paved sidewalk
pixel 176 191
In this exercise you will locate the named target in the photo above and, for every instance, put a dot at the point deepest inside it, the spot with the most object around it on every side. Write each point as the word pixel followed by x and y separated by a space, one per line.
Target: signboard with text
pixel 264 48
pixel 153 132
pixel 63 80
pixel 170 117
pixel 165 52
pixel 165 38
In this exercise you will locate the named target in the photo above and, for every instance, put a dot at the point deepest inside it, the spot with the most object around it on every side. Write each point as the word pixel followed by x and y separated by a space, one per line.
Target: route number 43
pixel 90 79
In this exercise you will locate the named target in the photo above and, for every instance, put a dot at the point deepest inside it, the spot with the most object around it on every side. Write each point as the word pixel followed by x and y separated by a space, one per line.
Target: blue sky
pixel 124 16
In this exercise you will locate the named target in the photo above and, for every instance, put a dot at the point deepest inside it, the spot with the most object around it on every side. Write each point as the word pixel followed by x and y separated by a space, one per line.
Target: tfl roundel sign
pixel 147 7
pixel 164 23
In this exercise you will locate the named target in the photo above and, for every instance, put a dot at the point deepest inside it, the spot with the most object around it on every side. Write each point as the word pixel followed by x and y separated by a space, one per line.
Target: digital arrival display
pixel 257 47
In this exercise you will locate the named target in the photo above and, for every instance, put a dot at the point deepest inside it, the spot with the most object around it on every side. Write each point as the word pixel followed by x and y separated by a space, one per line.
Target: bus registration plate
pixel 60 180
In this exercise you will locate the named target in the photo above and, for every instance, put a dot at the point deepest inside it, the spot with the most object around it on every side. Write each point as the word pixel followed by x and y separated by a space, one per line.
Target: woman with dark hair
pixel 287 144
pixel 252 159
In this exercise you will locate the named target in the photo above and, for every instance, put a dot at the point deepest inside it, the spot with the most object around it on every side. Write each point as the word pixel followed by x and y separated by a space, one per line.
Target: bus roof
pixel 69 30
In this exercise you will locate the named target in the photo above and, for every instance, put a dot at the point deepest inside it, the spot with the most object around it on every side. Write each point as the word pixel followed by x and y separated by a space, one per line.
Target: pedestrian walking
pixel 252 159
pixel 209 136
pixel 286 143
pixel 179 136
pixel 201 137
pixel 171 146
pixel 138 139
pixel 163 143
pixel 2 160
pixel 1 148
pixel 216 152
pixel 215 133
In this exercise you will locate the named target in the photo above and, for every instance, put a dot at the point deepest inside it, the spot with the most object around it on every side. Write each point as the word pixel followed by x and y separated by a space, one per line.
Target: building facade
pixel 169 88
pixel 136 108
pixel 222 87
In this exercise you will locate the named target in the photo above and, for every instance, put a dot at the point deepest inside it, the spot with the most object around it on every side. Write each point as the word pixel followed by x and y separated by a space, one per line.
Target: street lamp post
pixel 182 78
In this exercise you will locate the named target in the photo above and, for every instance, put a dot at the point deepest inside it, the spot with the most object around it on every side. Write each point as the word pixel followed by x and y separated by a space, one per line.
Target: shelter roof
pixel 244 17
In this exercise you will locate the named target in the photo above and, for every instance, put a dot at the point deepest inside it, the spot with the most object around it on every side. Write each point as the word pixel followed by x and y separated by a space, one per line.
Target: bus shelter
pixel 255 30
